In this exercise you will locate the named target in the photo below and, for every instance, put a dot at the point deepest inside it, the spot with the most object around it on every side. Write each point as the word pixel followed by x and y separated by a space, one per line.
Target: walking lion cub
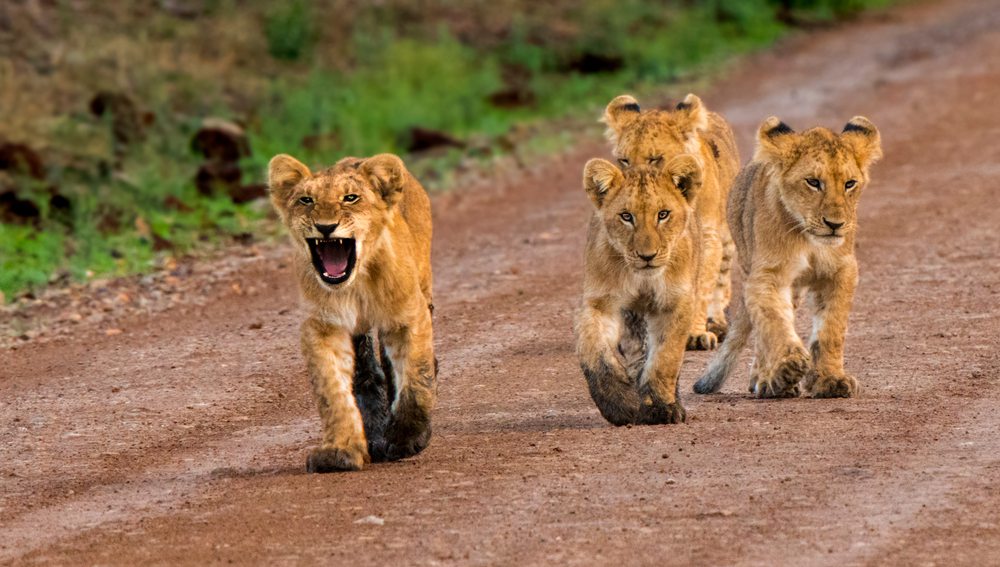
pixel 654 137
pixel 639 292
pixel 361 231
pixel 793 216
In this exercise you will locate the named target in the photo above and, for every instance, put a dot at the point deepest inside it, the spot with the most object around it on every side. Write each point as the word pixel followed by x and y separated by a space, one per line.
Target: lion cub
pixel 793 215
pixel 641 267
pixel 654 137
pixel 362 237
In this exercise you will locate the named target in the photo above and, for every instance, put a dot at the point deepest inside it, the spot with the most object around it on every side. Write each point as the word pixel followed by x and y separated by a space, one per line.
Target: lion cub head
pixel 653 136
pixel 337 215
pixel 821 173
pixel 644 210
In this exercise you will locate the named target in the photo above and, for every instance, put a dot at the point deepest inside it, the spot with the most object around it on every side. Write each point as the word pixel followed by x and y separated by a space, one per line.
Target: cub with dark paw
pixel 361 231
pixel 640 287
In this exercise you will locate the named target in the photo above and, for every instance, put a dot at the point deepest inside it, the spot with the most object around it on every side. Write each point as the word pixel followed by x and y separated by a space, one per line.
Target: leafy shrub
pixel 289 30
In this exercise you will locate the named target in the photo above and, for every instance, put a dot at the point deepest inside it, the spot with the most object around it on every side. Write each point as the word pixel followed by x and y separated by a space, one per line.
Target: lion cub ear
pixel 622 110
pixel 283 173
pixel 865 138
pixel 692 114
pixel 387 174
pixel 686 173
pixel 601 180
pixel 775 140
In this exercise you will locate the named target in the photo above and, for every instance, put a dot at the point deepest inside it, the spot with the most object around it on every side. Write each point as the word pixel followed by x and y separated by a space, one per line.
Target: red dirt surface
pixel 182 440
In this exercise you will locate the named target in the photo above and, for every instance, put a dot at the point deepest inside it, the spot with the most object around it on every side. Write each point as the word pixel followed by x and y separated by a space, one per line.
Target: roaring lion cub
pixel 641 266
pixel 793 214
pixel 362 237
pixel 655 136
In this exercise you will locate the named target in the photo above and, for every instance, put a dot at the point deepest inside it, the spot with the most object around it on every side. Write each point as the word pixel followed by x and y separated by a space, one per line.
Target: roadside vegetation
pixel 133 133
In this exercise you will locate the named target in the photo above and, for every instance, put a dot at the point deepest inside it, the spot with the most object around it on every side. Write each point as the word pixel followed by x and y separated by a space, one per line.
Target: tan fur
pixel 387 295
pixel 786 247
pixel 654 136
pixel 639 280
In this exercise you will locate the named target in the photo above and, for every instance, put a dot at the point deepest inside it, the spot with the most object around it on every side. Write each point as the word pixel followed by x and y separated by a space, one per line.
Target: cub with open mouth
pixel 361 231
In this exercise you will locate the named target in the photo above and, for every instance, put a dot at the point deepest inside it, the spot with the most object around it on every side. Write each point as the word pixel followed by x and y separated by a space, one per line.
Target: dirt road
pixel 183 439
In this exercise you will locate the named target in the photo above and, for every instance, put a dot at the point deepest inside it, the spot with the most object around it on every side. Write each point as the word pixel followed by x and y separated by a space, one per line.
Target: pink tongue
pixel 334 258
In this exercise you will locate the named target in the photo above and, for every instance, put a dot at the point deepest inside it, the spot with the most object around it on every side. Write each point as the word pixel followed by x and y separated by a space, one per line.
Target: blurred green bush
pixel 319 80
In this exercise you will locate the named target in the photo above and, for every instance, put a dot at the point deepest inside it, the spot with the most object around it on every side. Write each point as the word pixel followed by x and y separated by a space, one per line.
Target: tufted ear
pixel 283 173
pixel 622 110
pixel 601 180
pixel 387 174
pixel 691 115
pixel 865 139
pixel 686 173
pixel 775 140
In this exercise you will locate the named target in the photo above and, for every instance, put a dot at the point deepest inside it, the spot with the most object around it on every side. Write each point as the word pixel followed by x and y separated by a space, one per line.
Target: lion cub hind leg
pixel 371 394
pixel 717 322
pixel 410 353
pixel 329 352
pixel 700 337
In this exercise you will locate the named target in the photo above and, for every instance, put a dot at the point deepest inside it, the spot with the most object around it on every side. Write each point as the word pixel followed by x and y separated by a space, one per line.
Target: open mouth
pixel 333 258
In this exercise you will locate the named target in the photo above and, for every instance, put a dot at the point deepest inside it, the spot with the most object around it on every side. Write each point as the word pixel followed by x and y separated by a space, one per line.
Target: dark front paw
pixel 405 441
pixel 653 411
pixel 331 459
pixel 658 414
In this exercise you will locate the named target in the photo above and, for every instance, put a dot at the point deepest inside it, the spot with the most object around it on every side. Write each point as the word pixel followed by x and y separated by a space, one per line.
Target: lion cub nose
pixel 831 224
pixel 326 229
pixel 646 257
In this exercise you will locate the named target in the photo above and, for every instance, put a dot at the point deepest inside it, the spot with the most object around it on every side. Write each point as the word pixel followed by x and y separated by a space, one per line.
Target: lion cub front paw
pixel 702 341
pixel 655 412
pixel 784 381
pixel 332 459
pixel 405 439
pixel 834 387
pixel 404 448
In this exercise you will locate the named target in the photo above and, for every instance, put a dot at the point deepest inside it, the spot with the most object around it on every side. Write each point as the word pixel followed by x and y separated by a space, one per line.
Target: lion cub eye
pixel 306 200
pixel 850 184
pixel 626 217
pixel 623 162
pixel 662 215
pixel 814 183
pixel 654 159
pixel 350 198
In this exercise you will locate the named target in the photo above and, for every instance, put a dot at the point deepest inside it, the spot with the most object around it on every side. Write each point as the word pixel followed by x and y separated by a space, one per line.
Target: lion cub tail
pixel 725 359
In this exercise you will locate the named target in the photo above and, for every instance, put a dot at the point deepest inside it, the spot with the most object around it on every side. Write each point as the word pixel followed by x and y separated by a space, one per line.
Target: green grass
pixel 365 100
